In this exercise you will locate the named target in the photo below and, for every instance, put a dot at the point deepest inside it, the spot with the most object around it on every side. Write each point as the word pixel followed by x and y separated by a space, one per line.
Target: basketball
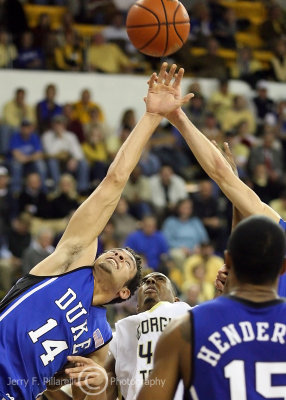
pixel 158 27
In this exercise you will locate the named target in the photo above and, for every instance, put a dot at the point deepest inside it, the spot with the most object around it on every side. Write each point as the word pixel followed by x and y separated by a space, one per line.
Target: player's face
pixel 154 287
pixel 118 265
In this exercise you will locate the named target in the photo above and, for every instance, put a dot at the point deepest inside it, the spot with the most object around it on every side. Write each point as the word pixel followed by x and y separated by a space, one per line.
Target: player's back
pixel 135 341
pixel 239 350
pixel 42 321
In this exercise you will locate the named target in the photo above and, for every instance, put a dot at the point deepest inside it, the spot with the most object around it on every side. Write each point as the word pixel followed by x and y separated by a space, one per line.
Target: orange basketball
pixel 158 27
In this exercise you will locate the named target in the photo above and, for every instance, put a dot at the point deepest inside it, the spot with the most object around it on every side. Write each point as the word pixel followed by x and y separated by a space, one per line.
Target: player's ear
pixel 283 269
pixel 124 293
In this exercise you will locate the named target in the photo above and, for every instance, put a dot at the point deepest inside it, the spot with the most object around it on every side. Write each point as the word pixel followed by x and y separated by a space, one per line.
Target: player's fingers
pixel 219 286
pixel 162 72
pixel 152 80
pixel 81 360
pixel 170 75
pixel 187 98
pixel 178 78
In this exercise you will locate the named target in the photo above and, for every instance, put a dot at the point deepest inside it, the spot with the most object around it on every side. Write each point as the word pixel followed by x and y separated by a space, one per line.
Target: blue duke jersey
pixel 282 280
pixel 239 350
pixel 42 325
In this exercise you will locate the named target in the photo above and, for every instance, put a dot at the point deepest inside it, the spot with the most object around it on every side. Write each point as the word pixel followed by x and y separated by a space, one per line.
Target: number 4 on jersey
pixel 148 354
pixel 52 347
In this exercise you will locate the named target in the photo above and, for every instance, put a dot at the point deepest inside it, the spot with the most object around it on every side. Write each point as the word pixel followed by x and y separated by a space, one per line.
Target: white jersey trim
pixel 26 296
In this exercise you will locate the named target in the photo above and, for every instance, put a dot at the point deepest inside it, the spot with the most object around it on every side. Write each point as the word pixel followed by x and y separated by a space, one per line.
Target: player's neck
pixel 101 292
pixel 256 293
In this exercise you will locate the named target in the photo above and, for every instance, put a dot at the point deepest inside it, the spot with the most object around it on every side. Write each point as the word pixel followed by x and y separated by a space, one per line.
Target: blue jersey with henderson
pixel 42 321
pixel 282 280
pixel 239 350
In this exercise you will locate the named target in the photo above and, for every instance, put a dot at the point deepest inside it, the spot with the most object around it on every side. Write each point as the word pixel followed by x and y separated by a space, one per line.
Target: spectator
pixel 73 124
pixel 116 33
pixel 33 199
pixel 64 201
pixel 278 62
pixel 263 104
pixel 238 113
pixel 166 190
pixel 221 100
pixel 150 242
pixel 13 18
pixel 6 202
pixel 42 32
pixel 137 193
pixel 124 223
pixel 270 154
pixel 47 108
pixel 247 68
pixel 84 107
pixel 191 294
pixel 16 110
pixel 106 57
pixel 29 56
pixel 40 248
pixel 226 29
pixel 69 56
pixel 210 65
pixel 206 289
pixel 211 129
pixel 95 152
pixel 206 207
pixel 26 155
pixel 184 232
pixel 205 255
pixel 19 239
pixel 274 27
pixel 196 110
pixel 8 51
pixel 128 120
pixel 65 154
pixel 149 162
pixel 202 26
pixel 262 184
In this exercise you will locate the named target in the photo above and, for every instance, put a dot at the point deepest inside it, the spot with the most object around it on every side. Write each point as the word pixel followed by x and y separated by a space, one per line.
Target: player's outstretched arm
pixel 214 164
pixel 172 361
pixel 79 239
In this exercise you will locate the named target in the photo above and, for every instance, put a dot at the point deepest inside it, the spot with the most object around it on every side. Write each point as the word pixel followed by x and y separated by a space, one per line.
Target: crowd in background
pixel 53 155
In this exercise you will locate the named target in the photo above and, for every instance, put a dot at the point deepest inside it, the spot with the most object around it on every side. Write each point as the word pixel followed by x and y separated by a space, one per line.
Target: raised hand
pixel 164 94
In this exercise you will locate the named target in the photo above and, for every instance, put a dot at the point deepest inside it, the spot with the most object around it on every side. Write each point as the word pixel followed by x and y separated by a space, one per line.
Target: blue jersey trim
pixel 282 223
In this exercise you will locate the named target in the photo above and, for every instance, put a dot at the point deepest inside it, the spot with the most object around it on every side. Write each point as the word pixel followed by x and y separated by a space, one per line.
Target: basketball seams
pixel 167 37
pixel 167 28
pixel 174 22
pixel 162 23
pixel 158 25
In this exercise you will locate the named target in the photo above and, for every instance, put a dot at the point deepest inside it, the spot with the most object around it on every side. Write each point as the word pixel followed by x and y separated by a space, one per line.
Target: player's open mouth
pixel 113 262
pixel 151 290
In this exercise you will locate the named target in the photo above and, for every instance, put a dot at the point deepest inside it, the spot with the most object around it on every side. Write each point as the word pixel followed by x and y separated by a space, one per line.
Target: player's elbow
pixel 116 177
pixel 220 171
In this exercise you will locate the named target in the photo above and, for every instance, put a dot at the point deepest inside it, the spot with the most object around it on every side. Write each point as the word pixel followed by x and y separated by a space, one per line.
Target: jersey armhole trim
pixel 65 273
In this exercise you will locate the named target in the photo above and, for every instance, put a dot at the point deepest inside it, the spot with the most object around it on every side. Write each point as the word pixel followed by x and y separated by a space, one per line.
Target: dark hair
pixel 257 248
pixel 134 282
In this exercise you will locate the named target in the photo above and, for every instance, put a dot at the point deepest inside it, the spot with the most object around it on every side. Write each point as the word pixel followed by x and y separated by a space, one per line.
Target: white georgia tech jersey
pixel 134 342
